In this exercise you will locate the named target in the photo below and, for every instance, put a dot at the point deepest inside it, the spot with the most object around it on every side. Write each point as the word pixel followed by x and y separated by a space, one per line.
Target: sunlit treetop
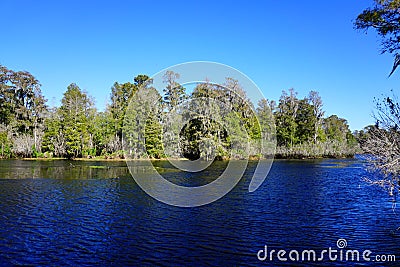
pixel 384 17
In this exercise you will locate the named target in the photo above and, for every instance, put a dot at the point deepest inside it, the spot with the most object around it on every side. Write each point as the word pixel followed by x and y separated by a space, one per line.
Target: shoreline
pixel 279 157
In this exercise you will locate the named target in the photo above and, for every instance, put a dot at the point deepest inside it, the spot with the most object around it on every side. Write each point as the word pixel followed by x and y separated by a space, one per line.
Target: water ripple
pixel 58 215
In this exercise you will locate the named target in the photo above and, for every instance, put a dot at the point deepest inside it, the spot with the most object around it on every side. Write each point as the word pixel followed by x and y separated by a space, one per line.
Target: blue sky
pixel 305 45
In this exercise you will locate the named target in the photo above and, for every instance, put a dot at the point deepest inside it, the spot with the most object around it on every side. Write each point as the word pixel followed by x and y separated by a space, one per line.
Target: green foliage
pixel 303 132
pixel 141 126
pixel 266 121
pixel 174 92
pixel 285 118
pixel 5 145
pixel 52 131
pixel 105 137
pixel 22 109
pixel 205 134
pixel 321 135
pixel 121 96
pixel 363 135
pixel 384 17
pixel 36 153
pixel 153 135
pixel 305 120
pixel 336 128
pixel 76 114
pixel 76 129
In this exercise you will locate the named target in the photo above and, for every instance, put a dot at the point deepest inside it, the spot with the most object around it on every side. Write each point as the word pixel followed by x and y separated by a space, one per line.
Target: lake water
pixel 93 213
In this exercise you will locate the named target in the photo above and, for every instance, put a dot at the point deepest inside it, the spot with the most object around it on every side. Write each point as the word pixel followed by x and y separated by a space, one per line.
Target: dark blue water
pixel 64 213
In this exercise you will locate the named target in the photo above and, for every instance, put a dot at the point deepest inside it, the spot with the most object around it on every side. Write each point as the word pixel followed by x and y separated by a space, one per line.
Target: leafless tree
pixel 59 144
pixel 114 145
pixel 23 145
pixel 383 144
pixel 316 102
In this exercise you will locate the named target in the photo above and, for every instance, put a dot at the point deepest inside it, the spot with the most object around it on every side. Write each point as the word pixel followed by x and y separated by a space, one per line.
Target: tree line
pixel 303 131
pixel 75 129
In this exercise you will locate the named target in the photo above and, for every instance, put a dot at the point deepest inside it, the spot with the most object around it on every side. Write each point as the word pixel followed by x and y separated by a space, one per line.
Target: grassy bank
pixel 329 149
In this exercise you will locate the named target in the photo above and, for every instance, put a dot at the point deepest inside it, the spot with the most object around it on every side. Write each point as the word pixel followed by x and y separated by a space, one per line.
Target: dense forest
pixel 75 129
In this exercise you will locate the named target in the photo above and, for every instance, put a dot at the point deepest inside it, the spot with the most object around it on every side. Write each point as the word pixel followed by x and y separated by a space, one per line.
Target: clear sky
pixel 305 45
